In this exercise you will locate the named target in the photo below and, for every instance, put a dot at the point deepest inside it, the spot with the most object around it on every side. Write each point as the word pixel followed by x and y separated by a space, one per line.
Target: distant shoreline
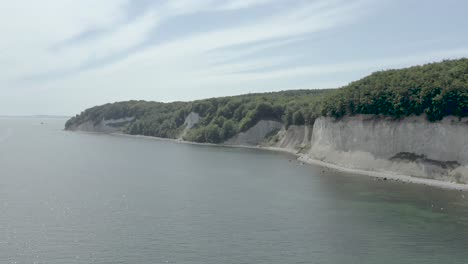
pixel 356 172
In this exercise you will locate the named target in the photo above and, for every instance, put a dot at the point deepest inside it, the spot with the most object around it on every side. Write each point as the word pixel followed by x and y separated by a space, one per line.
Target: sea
pixel 73 197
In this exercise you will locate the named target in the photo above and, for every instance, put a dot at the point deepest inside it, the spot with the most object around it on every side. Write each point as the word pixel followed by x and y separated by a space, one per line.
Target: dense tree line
pixel 437 90
pixel 221 118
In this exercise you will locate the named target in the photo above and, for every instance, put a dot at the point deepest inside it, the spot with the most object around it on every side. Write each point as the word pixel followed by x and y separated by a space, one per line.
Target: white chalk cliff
pixel 410 146
pixel 256 134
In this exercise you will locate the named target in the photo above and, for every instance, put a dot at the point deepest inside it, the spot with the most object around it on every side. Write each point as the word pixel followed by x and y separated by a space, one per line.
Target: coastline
pixel 389 176
pixel 381 175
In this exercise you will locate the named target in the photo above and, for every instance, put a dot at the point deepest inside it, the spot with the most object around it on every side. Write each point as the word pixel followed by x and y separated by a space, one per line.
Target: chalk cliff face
pixel 295 138
pixel 446 140
pixel 411 146
pixel 105 126
pixel 190 121
pixel 255 135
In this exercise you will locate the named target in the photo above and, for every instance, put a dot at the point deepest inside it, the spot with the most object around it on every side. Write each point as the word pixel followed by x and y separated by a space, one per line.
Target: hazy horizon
pixel 61 57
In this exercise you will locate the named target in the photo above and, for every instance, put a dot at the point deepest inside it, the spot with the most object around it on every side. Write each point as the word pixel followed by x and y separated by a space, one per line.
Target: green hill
pixel 436 89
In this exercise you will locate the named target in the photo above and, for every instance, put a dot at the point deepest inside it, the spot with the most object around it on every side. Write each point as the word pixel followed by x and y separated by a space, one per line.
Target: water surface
pixel 70 197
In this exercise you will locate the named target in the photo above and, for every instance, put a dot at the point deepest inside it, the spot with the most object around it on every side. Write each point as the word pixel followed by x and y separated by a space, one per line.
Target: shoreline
pixel 389 176
pixel 355 172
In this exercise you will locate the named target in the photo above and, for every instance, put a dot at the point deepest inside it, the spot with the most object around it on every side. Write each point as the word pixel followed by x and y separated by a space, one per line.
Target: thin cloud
pixel 367 66
pixel 276 26
pixel 110 52
pixel 241 4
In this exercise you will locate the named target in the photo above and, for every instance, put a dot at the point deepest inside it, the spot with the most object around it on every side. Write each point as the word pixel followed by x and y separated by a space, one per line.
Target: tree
pixel 229 129
pixel 298 118
pixel 212 134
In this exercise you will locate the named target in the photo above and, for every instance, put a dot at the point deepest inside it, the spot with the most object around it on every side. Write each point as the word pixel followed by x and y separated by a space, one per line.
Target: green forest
pixel 436 90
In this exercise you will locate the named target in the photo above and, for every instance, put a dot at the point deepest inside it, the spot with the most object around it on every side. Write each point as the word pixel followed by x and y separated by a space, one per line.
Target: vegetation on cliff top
pixel 436 89
pixel 221 117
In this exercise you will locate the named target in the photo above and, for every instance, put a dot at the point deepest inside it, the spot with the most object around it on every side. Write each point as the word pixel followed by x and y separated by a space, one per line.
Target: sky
pixel 59 57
